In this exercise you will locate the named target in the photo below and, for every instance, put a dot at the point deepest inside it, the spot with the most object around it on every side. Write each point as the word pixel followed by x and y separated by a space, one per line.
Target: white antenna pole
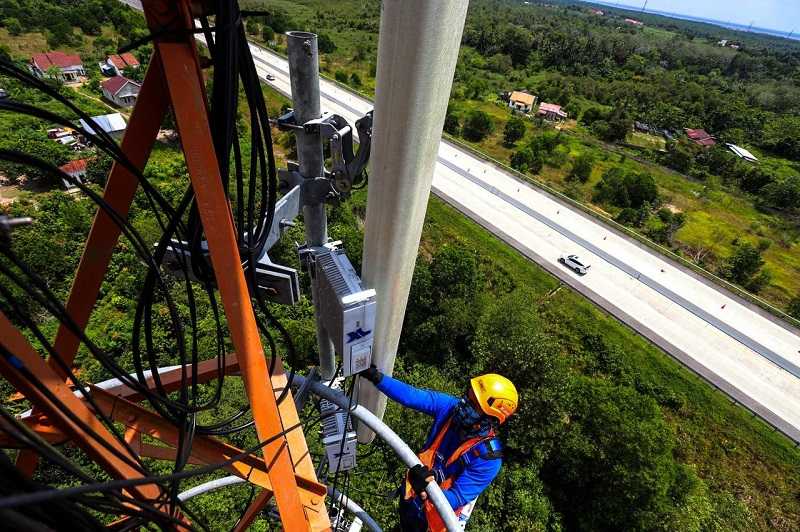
pixel 417 54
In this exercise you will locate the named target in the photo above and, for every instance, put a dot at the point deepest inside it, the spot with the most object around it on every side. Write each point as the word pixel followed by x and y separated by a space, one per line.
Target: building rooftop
pixel 115 84
pixel 122 61
pixel 742 152
pixel 45 60
pixel 78 166
pixel 522 97
pixel 110 123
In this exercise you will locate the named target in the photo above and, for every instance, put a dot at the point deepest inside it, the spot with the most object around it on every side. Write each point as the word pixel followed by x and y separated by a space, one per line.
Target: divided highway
pixel 745 353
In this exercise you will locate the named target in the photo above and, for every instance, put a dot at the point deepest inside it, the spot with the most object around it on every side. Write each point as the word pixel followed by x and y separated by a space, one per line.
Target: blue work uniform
pixel 476 475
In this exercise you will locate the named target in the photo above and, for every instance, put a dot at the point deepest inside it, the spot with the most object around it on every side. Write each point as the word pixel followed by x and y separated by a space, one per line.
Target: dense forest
pixel 612 433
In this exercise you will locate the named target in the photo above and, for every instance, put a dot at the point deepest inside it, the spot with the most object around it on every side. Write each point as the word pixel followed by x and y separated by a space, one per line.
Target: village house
pixel 75 169
pixel 120 91
pixel 551 111
pixel 742 153
pixel 521 101
pixel 113 124
pixel 700 137
pixel 116 64
pixel 66 67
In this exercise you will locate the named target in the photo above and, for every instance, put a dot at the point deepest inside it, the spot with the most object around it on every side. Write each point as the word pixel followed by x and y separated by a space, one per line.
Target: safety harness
pixel 487 447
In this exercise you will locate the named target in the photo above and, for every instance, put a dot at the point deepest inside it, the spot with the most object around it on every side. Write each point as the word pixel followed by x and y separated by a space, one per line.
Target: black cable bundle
pixel 251 179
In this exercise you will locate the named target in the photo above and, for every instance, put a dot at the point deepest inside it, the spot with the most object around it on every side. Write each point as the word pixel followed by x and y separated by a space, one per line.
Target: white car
pixel 574 263
pixel 270 77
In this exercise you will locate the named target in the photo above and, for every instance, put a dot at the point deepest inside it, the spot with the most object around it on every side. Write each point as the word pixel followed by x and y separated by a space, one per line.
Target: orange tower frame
pixel 285 471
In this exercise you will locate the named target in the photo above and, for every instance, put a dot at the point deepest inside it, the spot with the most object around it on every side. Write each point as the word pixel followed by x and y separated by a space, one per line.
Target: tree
pixel 355 80
pixel 252 26
pixel 477 126
pixel 514 131
pixel 32 143
pixel 267 34
pixel 615 469
pixel 451 123
pixel 680 156
pixel 325 44
pixel 793 309
pixel 782 193
pixel 744 267
pixel 97 169
pixel 582 168
pixel 641 189
pixel 13 26
pixel 340 76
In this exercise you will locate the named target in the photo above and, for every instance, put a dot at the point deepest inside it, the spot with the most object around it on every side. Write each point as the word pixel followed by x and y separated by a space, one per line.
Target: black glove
pixel 372 374
pixel 419 476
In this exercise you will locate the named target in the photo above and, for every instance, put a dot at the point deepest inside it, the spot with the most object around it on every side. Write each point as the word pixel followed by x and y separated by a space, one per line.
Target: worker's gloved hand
pixel 372 374
pixel 419 476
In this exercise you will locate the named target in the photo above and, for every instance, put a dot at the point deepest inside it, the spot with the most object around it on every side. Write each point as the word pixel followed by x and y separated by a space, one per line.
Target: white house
pixel 742 153
pixel 113 124
pixel 69 67
pixel 521 101
pixel 121 91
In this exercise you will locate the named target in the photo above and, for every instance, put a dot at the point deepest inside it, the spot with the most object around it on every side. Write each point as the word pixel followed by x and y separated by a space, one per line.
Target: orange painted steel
pixel 205 450
pixel 13 342
pixel 285 470
pixel 253 510
pixel 184 84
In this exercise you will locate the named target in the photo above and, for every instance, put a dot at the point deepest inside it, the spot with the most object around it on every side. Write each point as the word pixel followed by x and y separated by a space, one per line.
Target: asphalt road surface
pixel 747 354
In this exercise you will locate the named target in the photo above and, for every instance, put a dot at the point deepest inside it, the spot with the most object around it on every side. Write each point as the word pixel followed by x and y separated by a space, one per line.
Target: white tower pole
pixel 417 54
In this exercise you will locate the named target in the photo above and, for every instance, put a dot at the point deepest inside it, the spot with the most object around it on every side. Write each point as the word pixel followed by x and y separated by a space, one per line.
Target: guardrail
pixel 750 298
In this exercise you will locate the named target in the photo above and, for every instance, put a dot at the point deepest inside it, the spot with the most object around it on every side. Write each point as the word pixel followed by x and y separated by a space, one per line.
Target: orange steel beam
pixel 205 449
pixel 184 83
pixel 26 357
pixel 253 510
pixel 120 189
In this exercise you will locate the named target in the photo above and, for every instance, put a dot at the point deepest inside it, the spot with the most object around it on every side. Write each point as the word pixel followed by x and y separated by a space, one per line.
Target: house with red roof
pixel 700 137
pixel 551 111
pixel 75 169
pixel 66 67
pixel 117 63
pixel 120 90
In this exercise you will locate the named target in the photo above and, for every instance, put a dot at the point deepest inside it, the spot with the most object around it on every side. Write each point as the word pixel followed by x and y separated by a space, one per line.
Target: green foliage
pixel 325 44
pixel 340 76
pixel 513 131
pixel 267 33
pixel 625 478
pixel 13 26
pixel 355 80
pixel 793 308
pixel 744 267
pixel 582 168
pixel 527 160
pixel 451 123
pixel 36 144
pixel 477 126
pixel 626 189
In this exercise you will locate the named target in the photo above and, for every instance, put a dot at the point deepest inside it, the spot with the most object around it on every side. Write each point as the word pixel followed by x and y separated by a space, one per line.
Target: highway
pixel 742 351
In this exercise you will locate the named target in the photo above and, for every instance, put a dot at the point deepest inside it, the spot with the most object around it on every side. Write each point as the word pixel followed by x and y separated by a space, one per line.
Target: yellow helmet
pixel 496 395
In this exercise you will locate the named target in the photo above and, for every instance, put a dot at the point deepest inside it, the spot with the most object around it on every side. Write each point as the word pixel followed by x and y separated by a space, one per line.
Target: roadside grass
pixel 730 448
pixel 716 214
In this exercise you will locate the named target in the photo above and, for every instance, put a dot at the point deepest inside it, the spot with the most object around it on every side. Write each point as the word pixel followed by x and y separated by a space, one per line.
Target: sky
pixel 771 14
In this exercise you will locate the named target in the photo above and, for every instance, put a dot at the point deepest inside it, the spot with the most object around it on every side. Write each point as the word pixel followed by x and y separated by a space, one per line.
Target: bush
pixel 744 267
pixel 325 44
pixel 340 76
pixel 514 131
pixel 623 189
pixel 13 26
pixel 527 160
pixel 267 34
pixel 477 126
pixel 355 80
pixel 451 123
pixel 793 309
pixel 582 168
